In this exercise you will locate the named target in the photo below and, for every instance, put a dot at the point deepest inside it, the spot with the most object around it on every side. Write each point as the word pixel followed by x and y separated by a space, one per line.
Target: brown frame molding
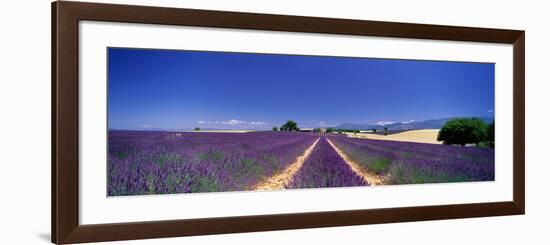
pixel 65 210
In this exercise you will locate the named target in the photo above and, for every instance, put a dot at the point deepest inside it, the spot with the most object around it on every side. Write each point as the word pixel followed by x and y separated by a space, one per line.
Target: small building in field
pixel 306 129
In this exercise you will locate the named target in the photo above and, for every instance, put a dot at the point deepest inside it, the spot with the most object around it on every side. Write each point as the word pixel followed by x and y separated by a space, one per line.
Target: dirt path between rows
pixel 279 181
pixel 372 178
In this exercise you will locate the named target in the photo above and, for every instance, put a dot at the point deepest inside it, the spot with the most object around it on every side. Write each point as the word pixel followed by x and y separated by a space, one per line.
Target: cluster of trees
pixel 348 131
pixel 462 131
pixel 289 126
pixel 337 130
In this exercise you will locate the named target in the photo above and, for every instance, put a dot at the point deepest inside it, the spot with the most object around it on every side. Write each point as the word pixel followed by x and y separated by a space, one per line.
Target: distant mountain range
pixel 428 124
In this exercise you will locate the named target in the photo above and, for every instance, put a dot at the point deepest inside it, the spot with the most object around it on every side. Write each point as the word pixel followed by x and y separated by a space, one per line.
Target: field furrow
pixel 281 180
pixel 162 162
pixel 372 178
pixel 413 163
pixel 325 168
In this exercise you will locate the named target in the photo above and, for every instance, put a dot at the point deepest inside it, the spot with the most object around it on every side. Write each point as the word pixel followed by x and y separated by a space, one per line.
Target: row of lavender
pixel 412 163
pixel 162 162
pixel 325 168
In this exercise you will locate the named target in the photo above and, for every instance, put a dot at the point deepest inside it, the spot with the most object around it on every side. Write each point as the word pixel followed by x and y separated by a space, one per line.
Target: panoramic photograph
pixel 207 121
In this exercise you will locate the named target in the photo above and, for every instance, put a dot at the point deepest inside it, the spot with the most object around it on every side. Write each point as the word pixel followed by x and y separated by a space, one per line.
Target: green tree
pixel 491 134
pixel 275 129
pixel 290 126
pixel 197 128
pixel 463 131
pixel 330 130
pixel 374 130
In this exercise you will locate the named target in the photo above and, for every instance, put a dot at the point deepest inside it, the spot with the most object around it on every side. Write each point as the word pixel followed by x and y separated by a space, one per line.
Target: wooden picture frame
pixel 65 121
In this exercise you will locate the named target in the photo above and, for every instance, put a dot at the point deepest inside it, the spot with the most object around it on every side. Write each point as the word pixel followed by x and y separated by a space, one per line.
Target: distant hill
pixel 428 124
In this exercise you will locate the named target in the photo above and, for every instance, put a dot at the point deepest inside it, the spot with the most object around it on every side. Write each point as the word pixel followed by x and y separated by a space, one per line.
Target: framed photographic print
pixel 175 122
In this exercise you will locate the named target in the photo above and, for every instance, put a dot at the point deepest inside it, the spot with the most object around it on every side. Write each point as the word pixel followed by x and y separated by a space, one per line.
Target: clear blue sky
pixel 172 89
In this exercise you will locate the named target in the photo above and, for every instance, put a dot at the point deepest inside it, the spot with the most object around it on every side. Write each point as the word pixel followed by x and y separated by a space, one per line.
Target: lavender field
pixel 416 163
pixel 325 168
pixel 161 162
pixel 141 162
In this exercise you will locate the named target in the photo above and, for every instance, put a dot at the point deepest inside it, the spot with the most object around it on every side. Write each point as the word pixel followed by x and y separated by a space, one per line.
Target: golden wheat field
pixel 420 136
